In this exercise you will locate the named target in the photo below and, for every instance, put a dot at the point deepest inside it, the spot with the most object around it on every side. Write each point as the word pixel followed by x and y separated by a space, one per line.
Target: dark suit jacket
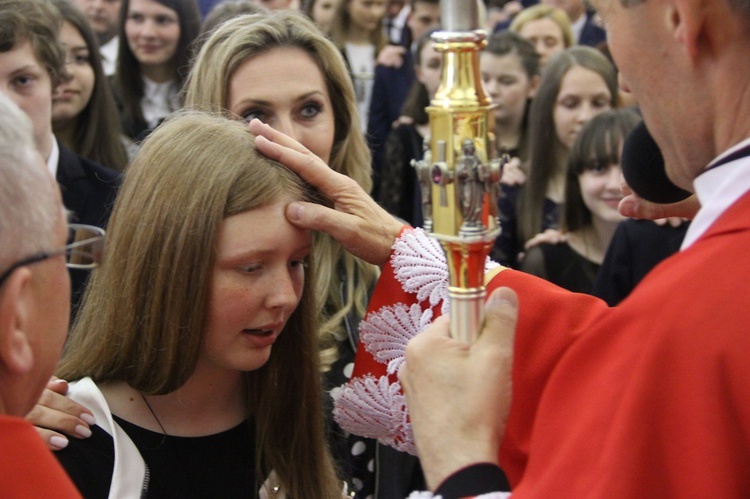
pixel 88 192
pixel 592 34
pixel 389 91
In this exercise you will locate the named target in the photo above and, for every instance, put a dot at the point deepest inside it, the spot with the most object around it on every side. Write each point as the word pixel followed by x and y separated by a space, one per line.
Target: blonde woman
pixel 547 28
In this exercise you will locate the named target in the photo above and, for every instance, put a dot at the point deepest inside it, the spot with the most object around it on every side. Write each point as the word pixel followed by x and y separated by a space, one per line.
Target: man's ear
pixel 16 301
pixel 686 21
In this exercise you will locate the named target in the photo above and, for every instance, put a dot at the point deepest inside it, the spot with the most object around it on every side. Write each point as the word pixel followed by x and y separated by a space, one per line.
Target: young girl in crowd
pixel 356 29
pixel 589 214
pixel 510 73
pixel 400 190
pixel 153 60
pixel 84 113
pixel 547 28
pixel 578 84
pixel 196 346
pixel 321 12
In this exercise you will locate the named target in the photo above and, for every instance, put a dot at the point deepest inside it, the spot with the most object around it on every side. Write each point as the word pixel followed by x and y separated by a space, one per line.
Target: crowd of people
pixel 251 164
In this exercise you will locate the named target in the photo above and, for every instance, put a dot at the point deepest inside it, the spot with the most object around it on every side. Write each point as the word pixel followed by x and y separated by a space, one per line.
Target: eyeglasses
pixel 84 250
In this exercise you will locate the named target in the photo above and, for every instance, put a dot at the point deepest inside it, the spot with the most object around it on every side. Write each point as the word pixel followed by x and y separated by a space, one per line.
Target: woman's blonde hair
pixel 207 88
pixel 145 309
pixel 536 12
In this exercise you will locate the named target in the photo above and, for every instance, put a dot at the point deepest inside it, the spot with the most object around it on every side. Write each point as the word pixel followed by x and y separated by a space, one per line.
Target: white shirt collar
pixel 54 158
pixel 109 55
pixel 718 189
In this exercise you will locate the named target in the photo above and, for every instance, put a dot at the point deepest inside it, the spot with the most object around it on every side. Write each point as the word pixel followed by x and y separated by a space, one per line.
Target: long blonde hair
pixel 231 44
pixel 145 309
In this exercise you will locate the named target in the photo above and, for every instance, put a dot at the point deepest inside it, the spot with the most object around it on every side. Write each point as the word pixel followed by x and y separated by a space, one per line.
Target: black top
pixel 220 465
pixel 561 265
pixel 637 246
pixel 507 246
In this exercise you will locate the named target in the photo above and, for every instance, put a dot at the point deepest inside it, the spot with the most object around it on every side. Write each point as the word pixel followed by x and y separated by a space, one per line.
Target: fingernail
pixel 295 212
pixel 504 296
pixel 83 431
pixel 58 442
pixel 89 418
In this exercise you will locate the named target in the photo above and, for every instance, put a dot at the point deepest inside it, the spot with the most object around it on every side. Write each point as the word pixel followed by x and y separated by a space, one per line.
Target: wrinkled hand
pixel 56 413
pixel 392 56
pixel 549 236
pixel 362 227
pixel 513 173
pixel 459 394
pixel 634 206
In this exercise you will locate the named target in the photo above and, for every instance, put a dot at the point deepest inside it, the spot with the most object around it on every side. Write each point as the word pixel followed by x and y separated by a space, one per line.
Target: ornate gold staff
pixel 458 176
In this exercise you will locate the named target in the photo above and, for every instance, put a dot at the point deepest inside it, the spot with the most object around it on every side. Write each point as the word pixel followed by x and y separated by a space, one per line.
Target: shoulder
pixel 90 462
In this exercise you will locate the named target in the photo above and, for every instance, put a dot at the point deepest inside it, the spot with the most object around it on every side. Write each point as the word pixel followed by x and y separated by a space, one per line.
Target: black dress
pixel 561 265
pixel 220 465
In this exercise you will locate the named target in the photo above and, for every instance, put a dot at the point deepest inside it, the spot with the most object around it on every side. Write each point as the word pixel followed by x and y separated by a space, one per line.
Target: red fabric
pixel 651 398
pixel 27 468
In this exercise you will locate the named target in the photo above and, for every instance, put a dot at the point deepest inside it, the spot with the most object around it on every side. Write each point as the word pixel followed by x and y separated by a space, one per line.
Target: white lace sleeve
pixel 375 407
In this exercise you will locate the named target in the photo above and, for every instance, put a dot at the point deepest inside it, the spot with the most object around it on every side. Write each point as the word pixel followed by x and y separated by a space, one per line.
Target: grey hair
pixel 29 206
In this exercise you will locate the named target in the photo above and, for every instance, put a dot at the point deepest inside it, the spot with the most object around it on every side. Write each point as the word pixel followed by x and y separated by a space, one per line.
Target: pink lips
pixel 263 336
pixel 260 338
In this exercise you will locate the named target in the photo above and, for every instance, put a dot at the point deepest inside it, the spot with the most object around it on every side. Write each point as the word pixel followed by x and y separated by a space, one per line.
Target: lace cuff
pixel 411 293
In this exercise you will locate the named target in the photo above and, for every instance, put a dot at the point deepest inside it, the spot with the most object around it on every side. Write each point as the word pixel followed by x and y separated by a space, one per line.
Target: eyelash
pixel 304 263
pixel 261 114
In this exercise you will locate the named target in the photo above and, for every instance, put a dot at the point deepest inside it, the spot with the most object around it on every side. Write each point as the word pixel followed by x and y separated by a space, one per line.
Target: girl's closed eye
pixel 250 269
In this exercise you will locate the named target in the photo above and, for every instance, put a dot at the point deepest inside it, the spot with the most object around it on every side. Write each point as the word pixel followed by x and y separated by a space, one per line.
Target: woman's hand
pixel 56 413
pixel 549 236
pixel 513 173
pixel 362 227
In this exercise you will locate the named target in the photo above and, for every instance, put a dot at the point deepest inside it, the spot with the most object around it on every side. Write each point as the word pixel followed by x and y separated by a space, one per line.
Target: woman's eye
pixel 550 42
pixel 311 110
pixel 303 263
pixel 570 103
pixel 252 114
pixel 598 167
pixel 23 80
pixel 165 20
pixel 249 269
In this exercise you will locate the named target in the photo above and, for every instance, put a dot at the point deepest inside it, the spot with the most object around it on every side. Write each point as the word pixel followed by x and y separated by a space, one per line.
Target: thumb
pixel 500 318
pixel 315 217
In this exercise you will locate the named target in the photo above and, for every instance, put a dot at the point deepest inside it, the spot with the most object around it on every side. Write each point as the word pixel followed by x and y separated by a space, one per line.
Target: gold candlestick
pixel 459 175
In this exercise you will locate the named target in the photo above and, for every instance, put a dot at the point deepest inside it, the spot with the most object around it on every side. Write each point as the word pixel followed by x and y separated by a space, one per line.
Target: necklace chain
pixel 154 414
